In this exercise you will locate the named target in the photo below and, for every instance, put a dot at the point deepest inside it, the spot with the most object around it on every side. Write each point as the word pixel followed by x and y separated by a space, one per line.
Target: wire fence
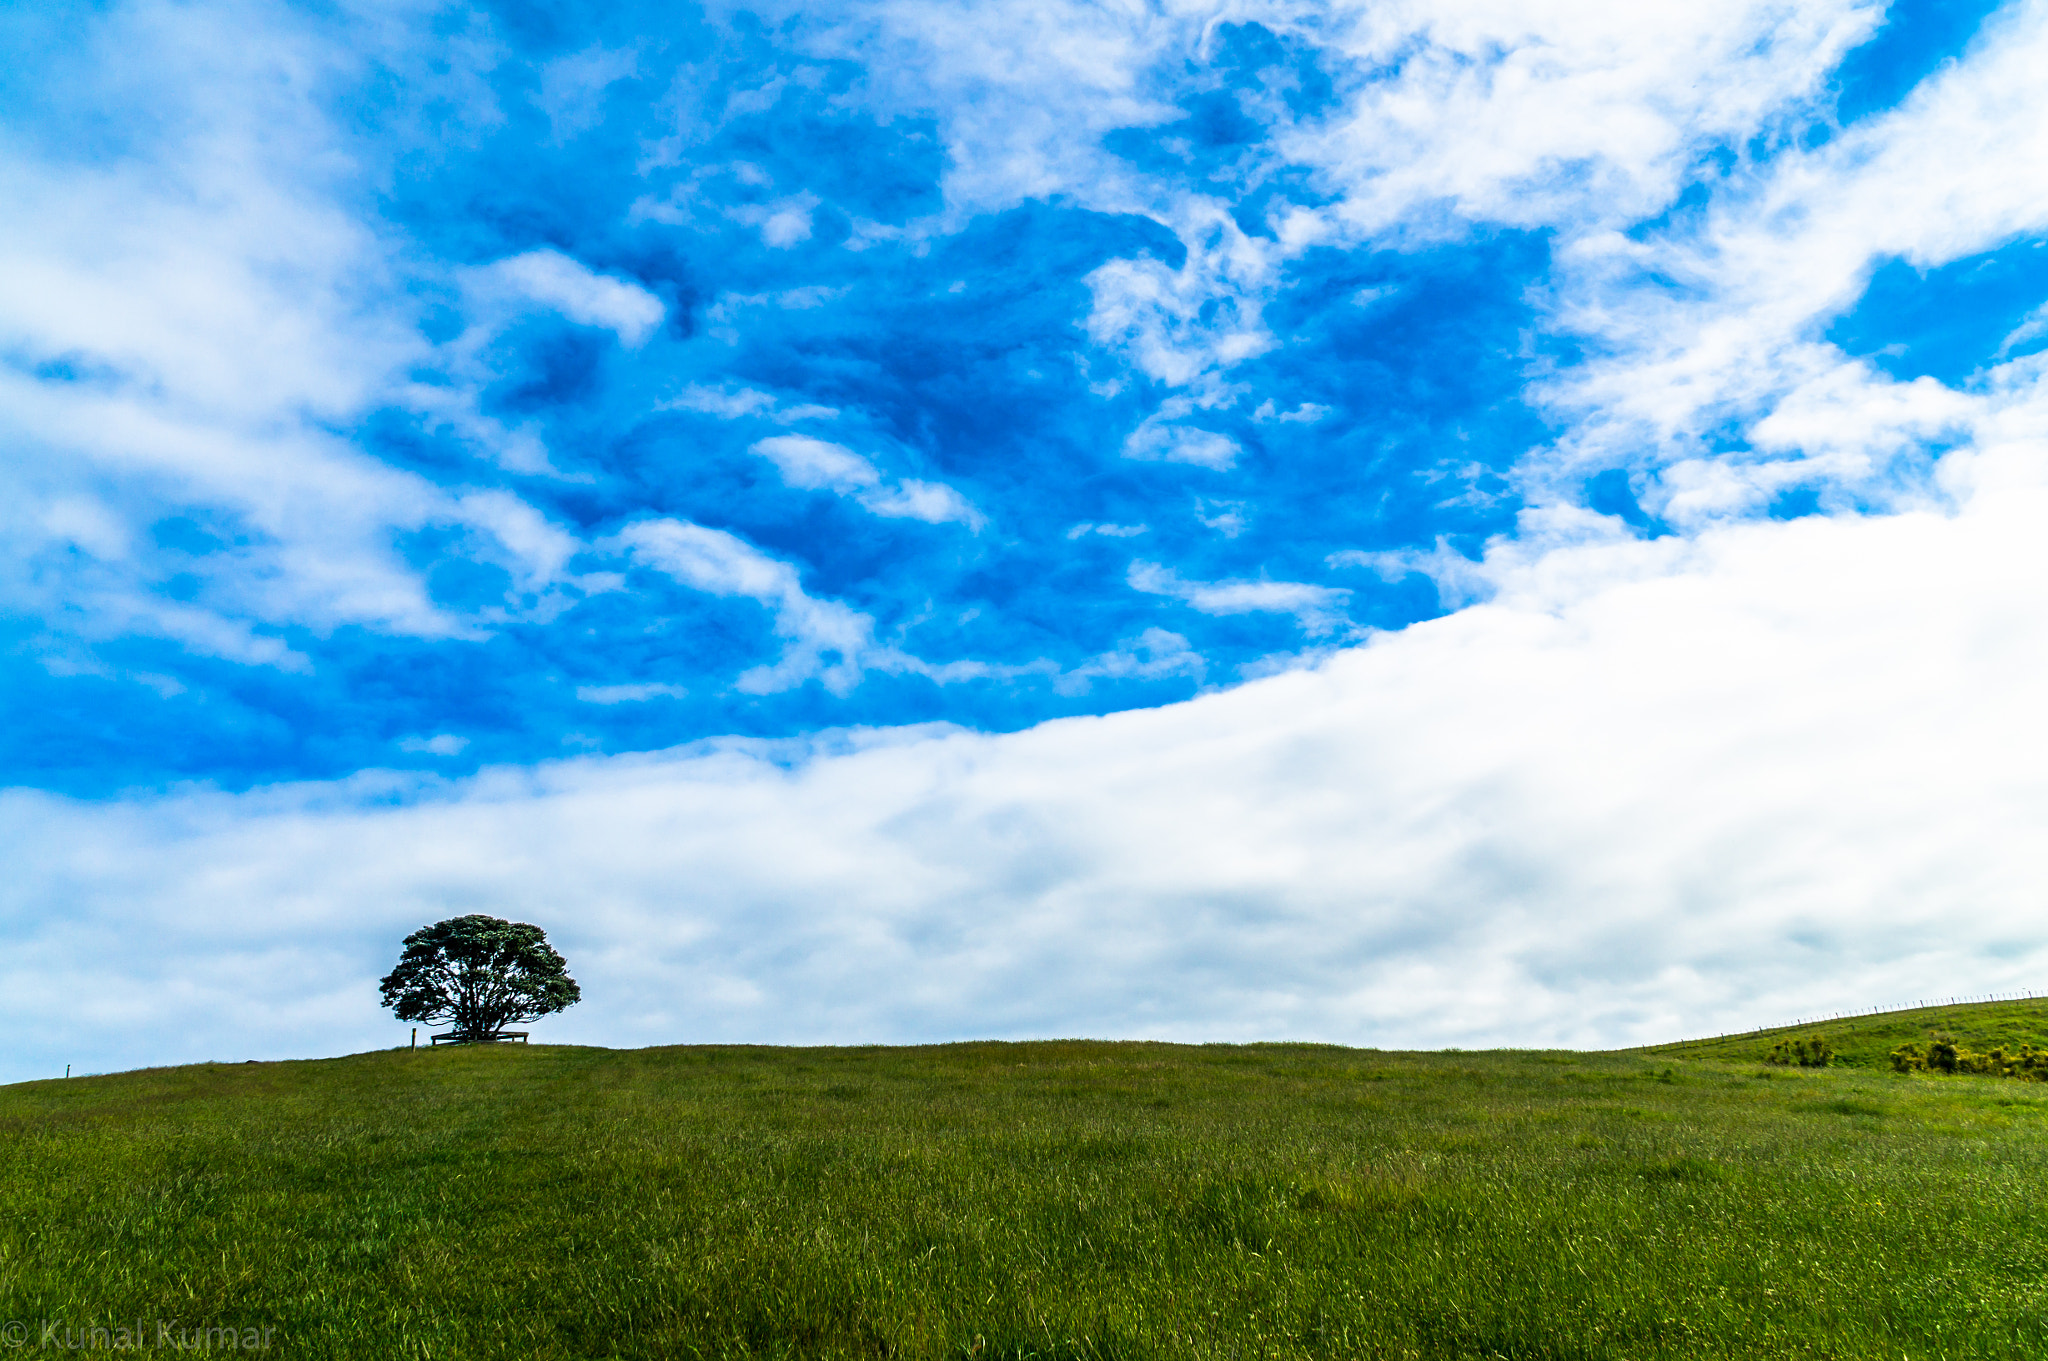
pixel 1920 1005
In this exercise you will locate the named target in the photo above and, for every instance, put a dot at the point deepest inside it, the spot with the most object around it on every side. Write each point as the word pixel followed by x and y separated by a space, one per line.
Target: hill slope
pixel 1029 1201
pixel 1867 1041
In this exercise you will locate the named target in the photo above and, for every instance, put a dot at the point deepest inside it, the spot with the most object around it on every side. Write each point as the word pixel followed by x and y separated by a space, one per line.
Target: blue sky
pixel 407 397
pixel 1044 467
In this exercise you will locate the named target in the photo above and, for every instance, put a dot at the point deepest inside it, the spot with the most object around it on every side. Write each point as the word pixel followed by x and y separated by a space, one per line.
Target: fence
pixel 1874 1011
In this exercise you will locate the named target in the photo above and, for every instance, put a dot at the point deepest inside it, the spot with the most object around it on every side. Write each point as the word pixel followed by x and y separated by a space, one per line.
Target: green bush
pixel 1808 1051
pixel 1944 1055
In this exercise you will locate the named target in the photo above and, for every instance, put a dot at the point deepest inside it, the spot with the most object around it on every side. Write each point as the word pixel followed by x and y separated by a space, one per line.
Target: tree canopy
pixel 482 973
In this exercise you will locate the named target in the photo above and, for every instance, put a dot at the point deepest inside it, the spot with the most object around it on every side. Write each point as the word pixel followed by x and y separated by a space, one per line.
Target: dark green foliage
pixel 1944 1055
pixel 480 972
pixel 1072 1200
pixel 1807 1051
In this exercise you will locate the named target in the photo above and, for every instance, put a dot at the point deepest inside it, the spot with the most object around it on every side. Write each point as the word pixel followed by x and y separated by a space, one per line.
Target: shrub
pixel 1808 1051
pixel 2029 1064
pixel 1944 1055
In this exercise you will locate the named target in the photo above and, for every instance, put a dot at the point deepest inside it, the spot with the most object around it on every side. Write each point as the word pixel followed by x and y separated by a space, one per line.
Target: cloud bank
pixel 1652 789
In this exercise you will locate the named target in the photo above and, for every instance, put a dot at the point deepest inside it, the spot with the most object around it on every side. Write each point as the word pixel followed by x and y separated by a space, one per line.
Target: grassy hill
pixel 1059 1200
pixel 1867 1041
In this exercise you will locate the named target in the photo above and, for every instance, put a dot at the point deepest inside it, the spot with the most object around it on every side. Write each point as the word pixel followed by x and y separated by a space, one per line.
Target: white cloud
pixel 1569 117
pixel 816 464
pixel 824 640
pixel 441 744
pixel 216 303
pixel 1228 518
pixel 628 694
pixel 1106 531
pixel 932 502
pixel 1155 654
pixel 2032 327
pixel 787 227
pixel 1319 609
pixel 1503 111
pixel 1781 249
pixel 1162 441
pixel 572 288
pixel 1308 413
pixel 1179 325
pixel 572 88
pixel 1572 118
pixel 1534 114
pixel 783 223
pixel 731 403
pixel 186 325
pixel 734 403
pixel 1645 793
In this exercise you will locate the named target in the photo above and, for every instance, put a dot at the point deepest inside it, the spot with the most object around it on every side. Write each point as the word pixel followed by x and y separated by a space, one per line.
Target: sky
pixel 1414 524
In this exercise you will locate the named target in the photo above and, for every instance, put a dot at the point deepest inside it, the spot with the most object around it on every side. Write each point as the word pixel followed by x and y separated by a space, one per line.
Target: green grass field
pixel 1041 1200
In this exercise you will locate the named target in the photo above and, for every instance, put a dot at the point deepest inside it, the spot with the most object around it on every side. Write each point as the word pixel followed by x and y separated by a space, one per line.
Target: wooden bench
pixel 457 1037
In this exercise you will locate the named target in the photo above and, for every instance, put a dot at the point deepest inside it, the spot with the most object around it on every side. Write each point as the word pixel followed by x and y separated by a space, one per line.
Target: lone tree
pixel 481 973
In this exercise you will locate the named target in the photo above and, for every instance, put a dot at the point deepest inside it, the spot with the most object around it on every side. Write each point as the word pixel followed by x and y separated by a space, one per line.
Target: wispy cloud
pixel 552 279
pixel 734 402
pixel 1155 654
pixel 1318 609
pixel 815 464
pixel 441 744
pixel 629 694
pixel 1084 529
pixel 824 639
